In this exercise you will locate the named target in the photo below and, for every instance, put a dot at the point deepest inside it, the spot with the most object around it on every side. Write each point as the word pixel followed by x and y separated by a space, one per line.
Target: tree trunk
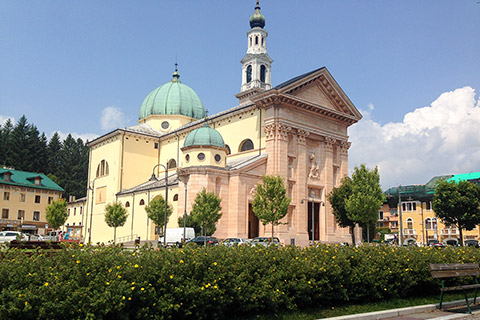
pixel 272 231
pixel 352 232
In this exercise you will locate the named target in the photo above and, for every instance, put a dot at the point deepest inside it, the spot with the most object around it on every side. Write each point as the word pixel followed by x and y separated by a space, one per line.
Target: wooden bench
pixel 445 271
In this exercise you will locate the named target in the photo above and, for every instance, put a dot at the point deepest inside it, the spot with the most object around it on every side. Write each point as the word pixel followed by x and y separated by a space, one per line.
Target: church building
pixel 297 130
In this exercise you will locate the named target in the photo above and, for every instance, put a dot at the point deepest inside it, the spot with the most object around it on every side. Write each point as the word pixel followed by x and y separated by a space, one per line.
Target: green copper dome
pixel 204 136
pixel 257 19
pixel 173 98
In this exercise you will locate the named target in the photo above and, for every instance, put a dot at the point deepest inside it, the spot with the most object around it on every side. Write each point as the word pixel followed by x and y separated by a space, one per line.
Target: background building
pixel 297 130
pixel 23 199
pixel 413 217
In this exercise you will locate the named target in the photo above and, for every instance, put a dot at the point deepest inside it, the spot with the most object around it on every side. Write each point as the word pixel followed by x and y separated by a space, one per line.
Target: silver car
pixel 230 242
pixel 7 236
pixel 266 241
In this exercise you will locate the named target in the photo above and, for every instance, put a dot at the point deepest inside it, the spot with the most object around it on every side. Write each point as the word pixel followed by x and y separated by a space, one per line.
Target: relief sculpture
pixel 314 168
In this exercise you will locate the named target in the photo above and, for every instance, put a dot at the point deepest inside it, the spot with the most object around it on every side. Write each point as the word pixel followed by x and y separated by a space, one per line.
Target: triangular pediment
pixel 319 88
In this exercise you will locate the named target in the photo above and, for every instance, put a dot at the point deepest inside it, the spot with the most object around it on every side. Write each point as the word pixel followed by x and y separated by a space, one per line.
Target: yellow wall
pixel 175 121
pixel 76 219
pixel 14 204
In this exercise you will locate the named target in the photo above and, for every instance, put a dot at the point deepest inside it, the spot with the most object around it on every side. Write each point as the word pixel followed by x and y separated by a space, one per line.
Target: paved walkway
pixel 452 310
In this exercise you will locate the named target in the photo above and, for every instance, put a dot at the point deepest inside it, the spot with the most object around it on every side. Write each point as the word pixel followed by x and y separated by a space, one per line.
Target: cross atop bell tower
pixel 256 65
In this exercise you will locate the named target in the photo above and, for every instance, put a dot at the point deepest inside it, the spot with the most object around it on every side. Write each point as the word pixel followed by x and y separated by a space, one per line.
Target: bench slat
pixel 455 273
pixel 452 266
pixel 457 288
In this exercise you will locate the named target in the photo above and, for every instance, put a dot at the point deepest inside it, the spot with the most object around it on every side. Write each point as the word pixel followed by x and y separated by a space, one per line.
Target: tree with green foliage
pixel 337 198
pixel 5 141
pixel 270 203
pixel 115 216
pixel 358 199
pixel 206 211
pixel 366 197
pixel 458 204
pixel 56 213
pixel 53 150
pixel 156 211
pixel 190 223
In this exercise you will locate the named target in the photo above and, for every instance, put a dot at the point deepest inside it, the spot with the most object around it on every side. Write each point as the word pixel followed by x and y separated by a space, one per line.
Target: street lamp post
pixel 91 211
pixel 153 178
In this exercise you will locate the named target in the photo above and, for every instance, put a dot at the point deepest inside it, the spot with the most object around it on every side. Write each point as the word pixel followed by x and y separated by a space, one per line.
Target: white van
pixel 175 236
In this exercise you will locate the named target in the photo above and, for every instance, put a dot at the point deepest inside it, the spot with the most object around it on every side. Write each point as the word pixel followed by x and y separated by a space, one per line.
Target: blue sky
pixel 84 67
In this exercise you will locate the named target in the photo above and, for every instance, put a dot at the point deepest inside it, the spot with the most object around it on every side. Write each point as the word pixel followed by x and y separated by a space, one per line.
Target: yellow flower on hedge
pixel 88 273
pixel 73 256
pixel 118 267
pixel 181 261
pixel 119 276
pixel 215 263
pixel 107 283
pixel 133 288
pixel 135 266
pixel 19 295
pixel 123 298
pixel 133 283
pixel 202 288
pixel 171 277
pixel 129 298
pixel 80 245
pixel 78 261
pixel 109 270
pixel 46 284
pixel 26 303
pixel 142 289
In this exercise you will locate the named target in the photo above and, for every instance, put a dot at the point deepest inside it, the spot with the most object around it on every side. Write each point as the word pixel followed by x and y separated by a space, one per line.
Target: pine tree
pixel 53 151
pixel 18 154
pixel 5 141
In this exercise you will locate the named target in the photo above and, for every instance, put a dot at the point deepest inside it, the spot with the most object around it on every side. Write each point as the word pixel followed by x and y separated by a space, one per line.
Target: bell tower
pixel 256 65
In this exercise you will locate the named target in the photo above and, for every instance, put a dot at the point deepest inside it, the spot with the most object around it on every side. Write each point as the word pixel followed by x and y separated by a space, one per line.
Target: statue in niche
pixel 314 168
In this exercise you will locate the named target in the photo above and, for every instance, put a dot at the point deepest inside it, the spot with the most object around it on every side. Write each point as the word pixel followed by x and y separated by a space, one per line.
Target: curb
pixel 376 315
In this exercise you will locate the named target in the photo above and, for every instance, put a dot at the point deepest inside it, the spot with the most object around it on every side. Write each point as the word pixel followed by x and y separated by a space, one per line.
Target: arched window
pixel 172 164
pixel 250 41
pixel 246 144
pixel 249 73
pixel 428 223
pixel 263 42
pixel 409 223
pixel 256 39
pixel 175 197
pixel 127 204
pixel 228 149
pixel 263 70
pixel 142 202
pixel 102 169
pixel 434 223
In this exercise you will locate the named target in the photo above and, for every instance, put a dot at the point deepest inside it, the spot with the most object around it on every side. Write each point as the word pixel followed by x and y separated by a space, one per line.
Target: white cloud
pixel 442 138
pixel 4 119
pixel 83 136
pixel 112 118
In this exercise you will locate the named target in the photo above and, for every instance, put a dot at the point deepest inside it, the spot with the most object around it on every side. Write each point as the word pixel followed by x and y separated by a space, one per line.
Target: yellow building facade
pixel 297 130
pixel 23 199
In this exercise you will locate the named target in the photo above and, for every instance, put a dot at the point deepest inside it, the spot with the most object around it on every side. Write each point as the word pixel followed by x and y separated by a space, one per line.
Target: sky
pixel 411 67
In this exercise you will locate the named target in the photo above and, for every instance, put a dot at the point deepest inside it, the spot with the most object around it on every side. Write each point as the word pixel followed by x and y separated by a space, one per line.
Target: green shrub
pixel 109 282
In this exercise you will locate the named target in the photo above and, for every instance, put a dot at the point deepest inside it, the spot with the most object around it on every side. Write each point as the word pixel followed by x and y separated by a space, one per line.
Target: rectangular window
pixel 156 145
pixel 81 209
pixel 5 213
pixel 21 214
pixel 428 205
pixel 6 195
pixel 36 215
pixel 380 215
pixel 74 211
pixel 393 211
pixel 22 197
pixel 50 200
pixel 100 195
pixel 394 224
pixel 37 199
pixel 414 206
pixel 69 212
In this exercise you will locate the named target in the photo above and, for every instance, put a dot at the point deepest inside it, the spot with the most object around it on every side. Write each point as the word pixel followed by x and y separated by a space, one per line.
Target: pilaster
pixel 326 216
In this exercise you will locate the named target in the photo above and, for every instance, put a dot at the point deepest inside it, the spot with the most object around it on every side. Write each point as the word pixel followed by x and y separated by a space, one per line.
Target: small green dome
pixel 257 19
pixel 173 98
pixel 204 136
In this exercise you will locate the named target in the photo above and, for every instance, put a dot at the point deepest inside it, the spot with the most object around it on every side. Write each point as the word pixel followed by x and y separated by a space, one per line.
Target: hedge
pixel 109 282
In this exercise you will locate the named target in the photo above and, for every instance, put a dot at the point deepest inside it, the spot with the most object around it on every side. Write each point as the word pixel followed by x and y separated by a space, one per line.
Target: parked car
pixel 7 236
pixel 230 242
pixel 52 236
pixel 266 241
pixel 471 243
pixel 201 240
pixel 436 244
pixel 36 237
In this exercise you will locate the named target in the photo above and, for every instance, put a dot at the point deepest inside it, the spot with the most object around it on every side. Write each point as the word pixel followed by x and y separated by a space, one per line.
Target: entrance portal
pixel 253 223
pixel 316 217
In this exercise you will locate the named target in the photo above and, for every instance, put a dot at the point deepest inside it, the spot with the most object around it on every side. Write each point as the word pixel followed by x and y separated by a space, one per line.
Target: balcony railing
pixel 411 232
pixel 446 232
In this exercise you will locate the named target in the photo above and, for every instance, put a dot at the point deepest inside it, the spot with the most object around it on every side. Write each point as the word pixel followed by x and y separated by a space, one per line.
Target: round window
pixel 187 157
pixel 201 156
pixel 218 158
pixel 165 125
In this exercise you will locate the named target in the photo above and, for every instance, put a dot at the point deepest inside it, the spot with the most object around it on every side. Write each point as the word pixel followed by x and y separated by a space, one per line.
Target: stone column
pixel 281 153
pixel 326 216
pixel 299 220
pixel 269 130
